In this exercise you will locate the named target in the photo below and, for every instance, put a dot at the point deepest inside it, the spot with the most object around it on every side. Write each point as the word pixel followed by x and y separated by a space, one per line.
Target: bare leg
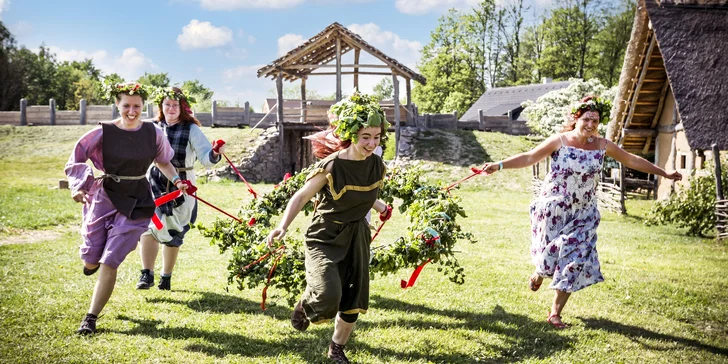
pixel 148 250
pixel 342 331
pixel 169 258
pixel 560 298
pixel 104 287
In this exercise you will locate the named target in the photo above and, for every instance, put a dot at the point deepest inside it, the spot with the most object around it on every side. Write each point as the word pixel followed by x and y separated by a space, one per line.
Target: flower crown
pixel 169 93
pixel 111 90
pixel 356 112
pixel 603 107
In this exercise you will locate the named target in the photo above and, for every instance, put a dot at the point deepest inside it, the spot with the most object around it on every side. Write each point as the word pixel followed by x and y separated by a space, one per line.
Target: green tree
pixel 384 89
pixel 12 83
pixel 610 44
pixel 531 56
pixel 511 30
pixel 155 79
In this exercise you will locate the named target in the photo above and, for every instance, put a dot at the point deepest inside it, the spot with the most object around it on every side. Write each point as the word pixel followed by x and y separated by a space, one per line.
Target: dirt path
pixel 30 236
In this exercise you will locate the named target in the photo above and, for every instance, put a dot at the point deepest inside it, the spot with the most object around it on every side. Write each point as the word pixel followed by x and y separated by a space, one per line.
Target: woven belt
pixel 186 169
pixel 118 179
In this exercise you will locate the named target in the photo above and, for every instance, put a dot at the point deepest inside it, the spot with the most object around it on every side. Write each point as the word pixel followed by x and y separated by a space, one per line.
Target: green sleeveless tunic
pixel 338 239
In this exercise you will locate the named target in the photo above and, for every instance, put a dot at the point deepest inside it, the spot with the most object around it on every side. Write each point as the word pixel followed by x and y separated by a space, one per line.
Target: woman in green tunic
pixel 346 183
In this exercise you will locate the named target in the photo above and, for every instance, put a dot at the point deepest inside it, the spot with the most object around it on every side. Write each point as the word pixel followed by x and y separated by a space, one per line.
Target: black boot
pixel 336 353
pixel 146 280
pixel 88 325
pixel 165 283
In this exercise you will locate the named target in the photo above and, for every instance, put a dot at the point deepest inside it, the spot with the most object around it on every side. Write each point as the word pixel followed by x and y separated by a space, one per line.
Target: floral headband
pixel 111 90
pixel 162 93
pixel 603 107
pixel 356 112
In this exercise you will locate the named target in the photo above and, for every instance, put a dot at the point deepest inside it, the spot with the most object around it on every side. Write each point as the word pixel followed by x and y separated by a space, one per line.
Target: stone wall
pixel 260 164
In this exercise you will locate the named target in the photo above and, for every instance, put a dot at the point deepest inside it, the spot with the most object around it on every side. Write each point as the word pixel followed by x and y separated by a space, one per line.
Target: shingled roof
pixel 692 41
pixel 321 49
pixel 499 101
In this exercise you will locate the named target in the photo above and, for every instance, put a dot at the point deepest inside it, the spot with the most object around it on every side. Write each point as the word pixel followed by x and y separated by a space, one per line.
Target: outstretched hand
pixel 218 146
pixel 275 235
pixel 490 168
pixel 675 176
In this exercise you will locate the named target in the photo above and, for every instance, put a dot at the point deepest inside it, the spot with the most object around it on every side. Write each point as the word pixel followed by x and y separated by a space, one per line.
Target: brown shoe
pixel 298 318
pixel 336 353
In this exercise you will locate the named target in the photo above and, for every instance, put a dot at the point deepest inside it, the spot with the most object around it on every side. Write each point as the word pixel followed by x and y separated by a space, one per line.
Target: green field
pixel 664 300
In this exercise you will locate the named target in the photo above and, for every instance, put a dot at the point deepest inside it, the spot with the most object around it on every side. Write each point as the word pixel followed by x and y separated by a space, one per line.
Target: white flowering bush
pixel 548 113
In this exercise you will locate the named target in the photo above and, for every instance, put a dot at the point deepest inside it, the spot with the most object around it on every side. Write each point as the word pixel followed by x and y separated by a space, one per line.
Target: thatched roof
pixel 691 41
pixel 321 49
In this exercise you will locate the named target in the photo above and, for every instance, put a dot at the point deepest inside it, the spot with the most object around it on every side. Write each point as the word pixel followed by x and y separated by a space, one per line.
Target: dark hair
pixel 184 116
pixel 574 115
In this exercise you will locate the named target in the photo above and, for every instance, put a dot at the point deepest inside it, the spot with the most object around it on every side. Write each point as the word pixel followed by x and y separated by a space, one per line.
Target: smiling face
pixel 130 108
pixel 369 139
pixel 588 123
pixel 171 110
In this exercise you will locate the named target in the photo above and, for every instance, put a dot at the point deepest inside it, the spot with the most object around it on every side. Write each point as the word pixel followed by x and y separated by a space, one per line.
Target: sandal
pixel 533 285
pixel 558 325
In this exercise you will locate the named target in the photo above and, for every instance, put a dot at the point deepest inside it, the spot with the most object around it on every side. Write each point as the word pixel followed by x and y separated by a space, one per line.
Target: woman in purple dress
pixel 564 216
pixel 118 205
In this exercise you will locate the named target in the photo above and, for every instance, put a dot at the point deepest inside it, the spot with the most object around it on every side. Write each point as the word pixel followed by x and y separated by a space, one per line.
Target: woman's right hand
pixel 274 235
pixel 81 196
pixel 490 168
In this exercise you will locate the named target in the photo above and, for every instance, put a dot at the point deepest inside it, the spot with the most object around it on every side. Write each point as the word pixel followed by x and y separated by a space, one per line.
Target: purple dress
pixel 564 220
pixel 108 236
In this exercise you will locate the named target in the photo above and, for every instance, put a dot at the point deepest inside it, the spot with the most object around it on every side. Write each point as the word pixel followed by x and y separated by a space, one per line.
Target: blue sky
pixel 222 43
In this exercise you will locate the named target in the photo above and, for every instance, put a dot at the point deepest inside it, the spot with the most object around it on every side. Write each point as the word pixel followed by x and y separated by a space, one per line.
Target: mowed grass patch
pixel 664 299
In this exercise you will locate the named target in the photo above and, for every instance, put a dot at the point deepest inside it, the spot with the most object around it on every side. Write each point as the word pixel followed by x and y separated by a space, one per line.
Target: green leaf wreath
pixel 431 235
pixel 110 89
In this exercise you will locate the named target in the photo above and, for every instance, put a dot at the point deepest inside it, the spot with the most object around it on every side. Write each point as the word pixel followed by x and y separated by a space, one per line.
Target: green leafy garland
pixel 355 112
pixel 431 235
pixel 604 107
pixel 160 93
pixel 110 90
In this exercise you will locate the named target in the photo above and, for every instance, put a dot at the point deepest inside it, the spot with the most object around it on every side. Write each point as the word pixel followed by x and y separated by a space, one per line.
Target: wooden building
pixel 672 100
pixel 321 56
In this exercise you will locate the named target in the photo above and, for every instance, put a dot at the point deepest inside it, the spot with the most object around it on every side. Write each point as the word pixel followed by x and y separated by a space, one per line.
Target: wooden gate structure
pixel 310 116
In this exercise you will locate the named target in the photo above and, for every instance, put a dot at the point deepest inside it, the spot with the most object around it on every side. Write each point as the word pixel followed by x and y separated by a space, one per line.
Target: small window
pixel 683 161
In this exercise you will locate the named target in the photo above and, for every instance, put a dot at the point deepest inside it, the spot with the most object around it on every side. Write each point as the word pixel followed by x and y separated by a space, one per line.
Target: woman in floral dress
pixel 564 216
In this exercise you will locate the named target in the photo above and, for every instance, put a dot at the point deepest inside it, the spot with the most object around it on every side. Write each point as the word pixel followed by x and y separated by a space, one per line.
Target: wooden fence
pixel 502 124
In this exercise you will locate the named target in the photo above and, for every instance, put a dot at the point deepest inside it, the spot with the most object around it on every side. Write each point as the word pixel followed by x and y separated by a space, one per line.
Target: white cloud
pixel 202 35
pixel 251 39
pixel 20 29
pixel 404 51
pixel 289 41
pixel 419 7
pixel 247 4
pixel 3 5
pixel 130 65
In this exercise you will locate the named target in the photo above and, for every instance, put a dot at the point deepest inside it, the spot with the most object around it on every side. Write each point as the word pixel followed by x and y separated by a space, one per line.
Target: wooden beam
pixel 357 44
pixel 408 89
pixel 338 66
pixel 639 132
pixel 349 73
pixel 660 105
pixel 356 68
pixel 646 103
pixel 654 80
pixel 279 113
pixel 642 114
pixel 354 65
pixel 395 83
pixel 303 100
pixel 638 86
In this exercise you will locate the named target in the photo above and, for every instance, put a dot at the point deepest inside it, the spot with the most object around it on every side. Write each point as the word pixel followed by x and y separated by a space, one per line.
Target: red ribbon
pixel 285 178
pixel 250 189
pixel 413 278
pixel 270 272
pixel 173 195
pixel 475 173
pixel 378 230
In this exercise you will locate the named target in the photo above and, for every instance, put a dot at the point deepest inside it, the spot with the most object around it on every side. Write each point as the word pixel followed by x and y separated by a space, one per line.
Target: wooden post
pixel 246 114
pixel 408 89
pixel 622 189
pixel 481 122
pixel 23 112
pixel 279 118
pixel 455 119
pixel 718 175
pixel 52 111
pixel 428 122
pixel 150 110
pixel 303 100
pixel 338 67
pixel 114 111
pixel 356 68
pixel 213 112
pixel 82 111
pixel 395 83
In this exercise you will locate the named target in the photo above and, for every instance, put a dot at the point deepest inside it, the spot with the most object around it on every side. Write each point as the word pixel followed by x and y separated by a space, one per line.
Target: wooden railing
pixel 721 218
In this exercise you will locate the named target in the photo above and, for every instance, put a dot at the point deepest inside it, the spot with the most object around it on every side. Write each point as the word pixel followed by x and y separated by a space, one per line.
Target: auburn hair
pixel 184 106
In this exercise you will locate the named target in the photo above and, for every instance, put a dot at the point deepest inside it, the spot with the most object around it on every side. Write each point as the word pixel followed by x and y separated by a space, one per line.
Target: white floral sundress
pixel 564 220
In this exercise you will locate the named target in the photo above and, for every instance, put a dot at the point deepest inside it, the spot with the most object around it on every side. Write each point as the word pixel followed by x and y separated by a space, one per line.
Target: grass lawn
pixel 664 300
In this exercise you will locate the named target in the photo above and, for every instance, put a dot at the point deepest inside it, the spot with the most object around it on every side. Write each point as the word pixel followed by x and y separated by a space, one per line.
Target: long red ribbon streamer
pixel 414 276
pixel 250 189
pixel 379 229
pixel 475 173
pixel 270 272
pixel 173 195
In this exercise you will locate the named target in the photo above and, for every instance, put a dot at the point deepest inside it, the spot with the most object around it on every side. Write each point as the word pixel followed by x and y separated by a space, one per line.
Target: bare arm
pixel 299 199
pixel 636 162
pixel 379 206
pixel 529 158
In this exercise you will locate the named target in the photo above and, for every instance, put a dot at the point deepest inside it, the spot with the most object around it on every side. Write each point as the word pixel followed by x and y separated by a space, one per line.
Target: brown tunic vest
pixel 129 153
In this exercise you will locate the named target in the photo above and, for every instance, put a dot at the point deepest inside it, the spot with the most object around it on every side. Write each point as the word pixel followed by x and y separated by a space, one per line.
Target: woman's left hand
pixel 675 176
pixel 218 146
pixel 181 185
